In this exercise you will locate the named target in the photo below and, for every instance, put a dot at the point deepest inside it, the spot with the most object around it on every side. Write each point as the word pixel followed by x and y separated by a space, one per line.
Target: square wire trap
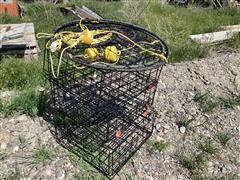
pixel 106 144
pixel 102 116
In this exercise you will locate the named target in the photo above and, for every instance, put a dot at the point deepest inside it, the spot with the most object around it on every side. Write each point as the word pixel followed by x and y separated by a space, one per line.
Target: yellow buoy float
pixel 111 54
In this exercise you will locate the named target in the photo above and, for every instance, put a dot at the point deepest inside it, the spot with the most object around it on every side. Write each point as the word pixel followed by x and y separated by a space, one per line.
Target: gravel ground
pixel 22 139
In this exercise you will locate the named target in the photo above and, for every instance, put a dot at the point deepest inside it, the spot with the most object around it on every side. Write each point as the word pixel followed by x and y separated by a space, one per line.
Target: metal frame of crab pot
pixel 101 114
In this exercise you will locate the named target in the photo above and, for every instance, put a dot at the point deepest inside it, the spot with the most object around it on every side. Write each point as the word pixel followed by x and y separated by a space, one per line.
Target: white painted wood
pixel 232 27
pixel 27 39
pixel 215 37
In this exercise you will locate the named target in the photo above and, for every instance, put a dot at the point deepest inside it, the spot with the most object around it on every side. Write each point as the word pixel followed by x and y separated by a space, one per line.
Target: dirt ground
pixel 218 76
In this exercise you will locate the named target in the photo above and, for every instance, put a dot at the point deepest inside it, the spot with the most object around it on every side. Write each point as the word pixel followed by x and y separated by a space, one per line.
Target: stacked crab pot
pixel 103 77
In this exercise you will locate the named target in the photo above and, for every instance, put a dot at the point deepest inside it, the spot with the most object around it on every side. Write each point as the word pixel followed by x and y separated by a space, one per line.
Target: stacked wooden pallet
pixel 18 39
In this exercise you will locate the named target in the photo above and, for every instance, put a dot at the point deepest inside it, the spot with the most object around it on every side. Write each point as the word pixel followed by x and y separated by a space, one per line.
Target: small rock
pixel 61 174
pixel 182 129
pixel 158 126
pixel 158 138
pixel 21 118
pixel 150 178
pixel 15 149
pixel 41 89
pixel 234 71
pixel 237 82
pixel 193 111
pixel 181 177
pixel 5 138
pixel 3 146
pixel 166 126
pixel 48 171
pixel 222 156
pixel 171 177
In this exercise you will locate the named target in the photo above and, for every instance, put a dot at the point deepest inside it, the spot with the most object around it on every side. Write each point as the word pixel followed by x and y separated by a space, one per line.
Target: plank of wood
pixel 7 33
pixel 231 27
pixel 28 39
pixel 215 37
pixel 20 51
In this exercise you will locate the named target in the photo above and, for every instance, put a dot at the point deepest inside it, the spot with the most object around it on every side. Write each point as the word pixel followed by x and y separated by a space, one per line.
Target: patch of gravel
pixel 219 75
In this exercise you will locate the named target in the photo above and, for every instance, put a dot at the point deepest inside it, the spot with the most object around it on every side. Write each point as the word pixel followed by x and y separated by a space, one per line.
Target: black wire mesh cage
pixel 104 112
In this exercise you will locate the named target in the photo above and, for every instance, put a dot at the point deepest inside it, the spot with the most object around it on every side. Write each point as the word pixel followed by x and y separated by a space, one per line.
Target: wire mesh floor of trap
pixel 97 143
pixel 133 59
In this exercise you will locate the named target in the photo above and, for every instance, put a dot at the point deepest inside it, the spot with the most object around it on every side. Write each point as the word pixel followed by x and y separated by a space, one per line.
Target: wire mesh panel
pixel 104 112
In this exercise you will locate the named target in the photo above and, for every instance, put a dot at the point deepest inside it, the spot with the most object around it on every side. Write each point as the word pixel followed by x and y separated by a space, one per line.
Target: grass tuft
pixel 184 122
pixel 208 147
pixel 28 102
pixel 227 102
pixel 208 102
pixel 14 175
pixel 194 164
pixel 2 156
pixel 153 146
pixel 16 74
pixel 42 155
pixel 187 162
pixel 223 138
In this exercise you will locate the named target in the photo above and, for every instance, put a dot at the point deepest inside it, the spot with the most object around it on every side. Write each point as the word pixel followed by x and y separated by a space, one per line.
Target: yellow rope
pixel 139 46
pixel 74 38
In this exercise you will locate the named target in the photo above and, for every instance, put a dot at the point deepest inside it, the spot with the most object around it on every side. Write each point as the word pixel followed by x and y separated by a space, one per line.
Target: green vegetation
pixel 16 74
pixel 2 156
pixel 28 102
pixel 184 122
pixel 14 175
pixel 223 138
pixel 88 172
pixel 208 102
pixel 153 145
pixel 186 161
pixel 196 163
pixel 208 147
pixel 22 139
pixel 42 155
pixel 229 102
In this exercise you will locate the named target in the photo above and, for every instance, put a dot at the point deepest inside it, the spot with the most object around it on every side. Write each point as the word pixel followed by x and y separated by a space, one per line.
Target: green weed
pixel 15 74
pixel 208 147
pixel 227 102
pixel 89 171
pixel 194 164
pixel 14 175
pixel 223 138
pixel 208 102
pixel 27 103
pixel 187 162
pixel 153 145
pixel 184 122
pixel 42 155
pixel 2 156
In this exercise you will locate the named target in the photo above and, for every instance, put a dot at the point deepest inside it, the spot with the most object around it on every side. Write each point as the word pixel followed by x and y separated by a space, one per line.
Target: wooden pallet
pixel 18 39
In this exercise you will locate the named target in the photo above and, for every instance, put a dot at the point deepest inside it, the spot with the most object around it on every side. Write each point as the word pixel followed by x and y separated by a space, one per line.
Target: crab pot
pixel 104 113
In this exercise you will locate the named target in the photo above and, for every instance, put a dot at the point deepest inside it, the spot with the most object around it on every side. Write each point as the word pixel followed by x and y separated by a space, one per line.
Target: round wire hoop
pixel 132 58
